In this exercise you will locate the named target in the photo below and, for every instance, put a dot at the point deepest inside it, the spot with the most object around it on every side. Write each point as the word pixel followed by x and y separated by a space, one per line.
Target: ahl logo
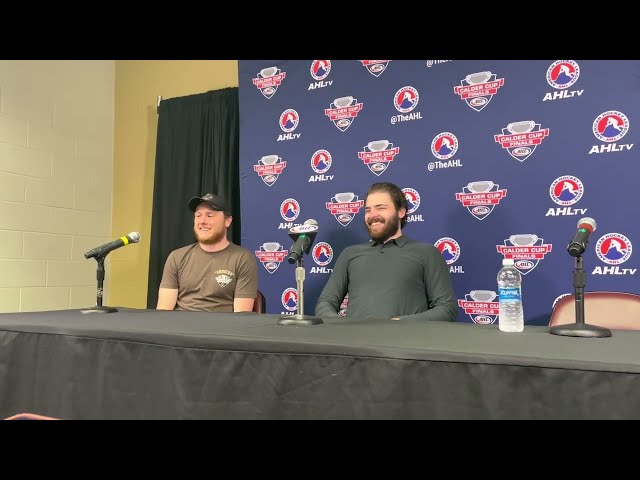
pixel 610 126
pixel 290 209
pixel 520 139
pixel 480 306
pixel 477 89
pixel 449 248
pixel 271 255
pixel 290 299
pixel 413 199
pixel 343 306
pixel 613 248
pixel 444 146
pixel 321 161
pixel 289 120
pixel 481 197
pixel 375 67
pixel 320 69
pixel 406 99
pixel 378 154
pixel 342 112
pixel 562 74
pixel 566 190
pixel 526 249
pixel 269 168
pixel 344 207
pixel 268 80
pixel 322 254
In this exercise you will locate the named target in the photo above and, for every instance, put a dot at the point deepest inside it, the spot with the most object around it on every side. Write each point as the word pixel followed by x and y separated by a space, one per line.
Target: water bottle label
pixel 509 293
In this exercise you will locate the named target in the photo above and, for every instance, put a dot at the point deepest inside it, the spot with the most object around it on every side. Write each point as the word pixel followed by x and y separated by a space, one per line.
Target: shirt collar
pixel 401 241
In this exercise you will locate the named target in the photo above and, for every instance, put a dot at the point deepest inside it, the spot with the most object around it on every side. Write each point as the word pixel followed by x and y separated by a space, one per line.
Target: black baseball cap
pixel 214 201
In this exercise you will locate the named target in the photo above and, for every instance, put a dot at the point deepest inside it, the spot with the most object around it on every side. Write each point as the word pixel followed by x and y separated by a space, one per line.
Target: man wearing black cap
pixel 212 274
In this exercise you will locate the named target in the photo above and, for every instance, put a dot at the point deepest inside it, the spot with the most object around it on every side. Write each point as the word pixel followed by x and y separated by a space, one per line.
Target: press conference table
pixel 147 364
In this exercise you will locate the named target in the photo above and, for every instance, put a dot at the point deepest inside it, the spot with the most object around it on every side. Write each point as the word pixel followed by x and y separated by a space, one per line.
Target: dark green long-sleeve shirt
pixel 401 278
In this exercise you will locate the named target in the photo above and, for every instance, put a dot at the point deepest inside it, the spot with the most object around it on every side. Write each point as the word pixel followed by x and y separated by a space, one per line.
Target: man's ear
pixel 228 220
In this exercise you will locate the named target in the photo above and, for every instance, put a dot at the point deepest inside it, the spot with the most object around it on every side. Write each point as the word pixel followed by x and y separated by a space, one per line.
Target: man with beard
pixel 212 274
pixel 391 276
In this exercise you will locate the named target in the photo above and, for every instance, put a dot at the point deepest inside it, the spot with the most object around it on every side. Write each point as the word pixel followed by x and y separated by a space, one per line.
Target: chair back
pixel 260 305
pixel 612 310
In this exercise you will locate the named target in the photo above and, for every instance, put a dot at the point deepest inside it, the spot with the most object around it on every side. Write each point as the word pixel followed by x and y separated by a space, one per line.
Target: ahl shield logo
pixel 322 254
pixel 521 139
pixel 561 74
pixel 406 99
pixel 610 126
pixel 344 207
pixel 271 255
pixel 413 199
pixel 480 306
pixel 290 209
pixel 477 89
pixel 449 248
pixel 321 161
pixel 613 248
pixel 526 249
pixel 444 146
pixel 378 154
pixel 481 197
pixel 343 111
pixel 269 168
pixel 289 299
pixel 375 67
pixel 566 190
pixel 289 120
pixel 320 69
pixel 268 81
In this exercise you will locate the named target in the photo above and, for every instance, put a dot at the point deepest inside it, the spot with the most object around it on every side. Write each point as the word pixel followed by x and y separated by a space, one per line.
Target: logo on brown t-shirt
pixel 224 277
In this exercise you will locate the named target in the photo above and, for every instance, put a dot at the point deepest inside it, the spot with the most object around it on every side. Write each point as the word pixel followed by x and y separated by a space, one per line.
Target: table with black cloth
pixel 148 364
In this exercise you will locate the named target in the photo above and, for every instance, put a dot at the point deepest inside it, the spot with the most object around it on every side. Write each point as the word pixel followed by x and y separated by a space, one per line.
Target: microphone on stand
pixel 99 253
pixel 586 226
pixel 303 237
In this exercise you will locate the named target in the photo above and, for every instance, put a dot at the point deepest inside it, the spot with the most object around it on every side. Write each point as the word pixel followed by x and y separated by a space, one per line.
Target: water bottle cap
pixel 507 262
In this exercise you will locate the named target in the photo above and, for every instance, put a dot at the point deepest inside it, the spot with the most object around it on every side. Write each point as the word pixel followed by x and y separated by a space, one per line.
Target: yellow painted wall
pixel 138 83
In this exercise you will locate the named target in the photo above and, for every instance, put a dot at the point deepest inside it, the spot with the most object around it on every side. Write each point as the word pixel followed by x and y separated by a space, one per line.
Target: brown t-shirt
pixel 210 280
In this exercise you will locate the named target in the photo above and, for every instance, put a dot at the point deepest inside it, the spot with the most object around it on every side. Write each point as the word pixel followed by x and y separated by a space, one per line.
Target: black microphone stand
pixel 100 276
pixel 580 328
pixel 300 318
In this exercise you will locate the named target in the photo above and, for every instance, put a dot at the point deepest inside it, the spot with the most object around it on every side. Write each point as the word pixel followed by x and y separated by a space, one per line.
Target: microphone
pixel 302 236
pixel 102 250
pixel 586 226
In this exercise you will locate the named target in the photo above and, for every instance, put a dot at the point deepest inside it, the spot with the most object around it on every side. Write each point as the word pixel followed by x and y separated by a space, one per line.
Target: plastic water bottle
pixel 511 314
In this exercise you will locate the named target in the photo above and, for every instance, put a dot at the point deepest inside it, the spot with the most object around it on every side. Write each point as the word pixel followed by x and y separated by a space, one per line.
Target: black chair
pixel 260 305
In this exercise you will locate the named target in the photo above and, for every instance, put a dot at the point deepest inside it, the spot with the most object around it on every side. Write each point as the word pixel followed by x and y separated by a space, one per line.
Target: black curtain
pixel 197 151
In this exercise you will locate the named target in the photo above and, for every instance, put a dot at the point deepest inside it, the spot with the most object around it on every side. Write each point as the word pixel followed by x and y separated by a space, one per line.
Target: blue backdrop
pixel 497 159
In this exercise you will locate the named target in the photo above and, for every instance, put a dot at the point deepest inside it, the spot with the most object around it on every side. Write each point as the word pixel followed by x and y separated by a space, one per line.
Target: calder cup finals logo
pixel 269 168
pixel 526 249
pixel 344 206
pixel 343 111
pixel 477 89
pixel 378 154
pixel 481 197
pixel 271 255
pixel 520 139
pixel 268 81
pixel 375 67
pixel 480 306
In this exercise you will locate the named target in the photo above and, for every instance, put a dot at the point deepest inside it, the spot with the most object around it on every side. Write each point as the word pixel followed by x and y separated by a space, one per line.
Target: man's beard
pixel 213 239
pixel 389 228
